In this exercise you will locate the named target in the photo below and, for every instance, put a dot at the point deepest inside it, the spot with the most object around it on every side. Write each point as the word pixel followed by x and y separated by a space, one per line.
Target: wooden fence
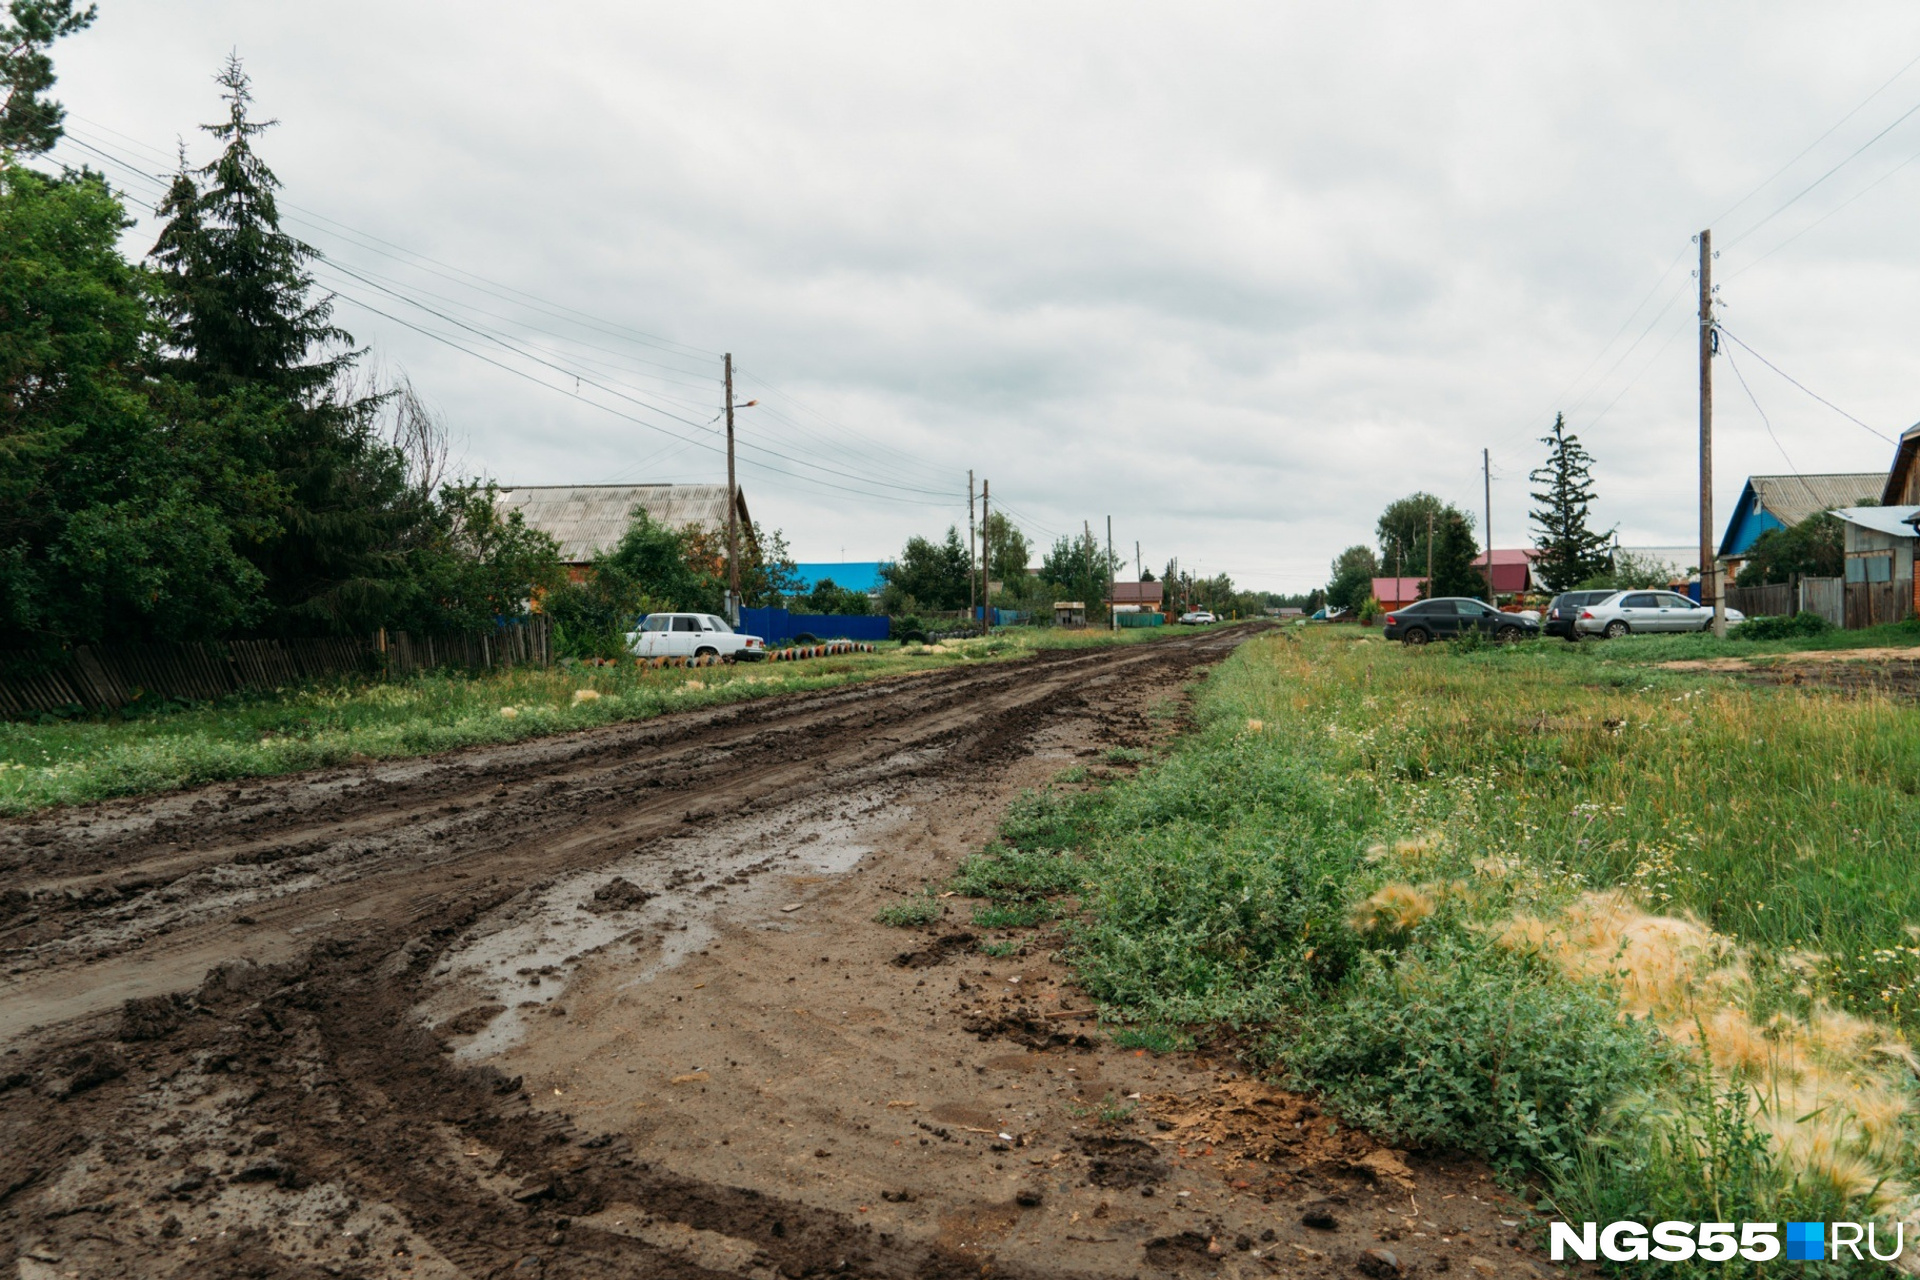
pixel 1826 597
pixel 1871 603
pixel 1770 601
pixel 101 677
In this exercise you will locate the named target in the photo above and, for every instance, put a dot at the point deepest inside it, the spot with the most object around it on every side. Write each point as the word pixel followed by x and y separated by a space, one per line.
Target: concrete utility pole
pixel 986 558
pixel 1137 576
pixel 733 510
pixel 970 582
pixel 1709 569
pixel 1486 474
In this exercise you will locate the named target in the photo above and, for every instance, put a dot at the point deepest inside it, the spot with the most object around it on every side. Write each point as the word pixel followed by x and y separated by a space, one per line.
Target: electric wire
pixel 1796 382
pixel 404 293
pixel 1764 420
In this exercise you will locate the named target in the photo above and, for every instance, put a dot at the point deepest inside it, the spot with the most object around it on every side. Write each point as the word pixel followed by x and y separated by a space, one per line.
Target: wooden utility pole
pixel 970 582
pixel 986 557
pixel 1486 474
pixel 733 510
pixel 1429 552
pixel 1709 570
pixel 1113 618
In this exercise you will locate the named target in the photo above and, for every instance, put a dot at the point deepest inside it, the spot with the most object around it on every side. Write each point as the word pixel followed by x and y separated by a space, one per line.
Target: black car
pixel 1450 616
pixel 1565 609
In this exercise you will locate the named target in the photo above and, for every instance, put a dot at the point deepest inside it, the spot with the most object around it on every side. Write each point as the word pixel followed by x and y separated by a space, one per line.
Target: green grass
pixel 77 761
pixel 1220 886
pixel 921 908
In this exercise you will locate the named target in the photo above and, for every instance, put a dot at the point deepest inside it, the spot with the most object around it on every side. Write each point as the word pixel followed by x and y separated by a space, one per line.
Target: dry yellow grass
pixel 1829 1088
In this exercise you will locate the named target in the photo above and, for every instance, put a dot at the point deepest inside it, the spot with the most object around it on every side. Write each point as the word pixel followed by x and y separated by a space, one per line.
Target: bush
pixel 1793 628
pixel 1463 1044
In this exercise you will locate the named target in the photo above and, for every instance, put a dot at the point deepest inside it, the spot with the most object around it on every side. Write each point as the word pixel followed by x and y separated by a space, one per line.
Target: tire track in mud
pixel 302 1100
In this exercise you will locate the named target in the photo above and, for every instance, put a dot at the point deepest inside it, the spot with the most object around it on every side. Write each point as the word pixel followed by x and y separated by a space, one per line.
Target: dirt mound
pixel 939 951
pixel 617 894
pixel 1252 1120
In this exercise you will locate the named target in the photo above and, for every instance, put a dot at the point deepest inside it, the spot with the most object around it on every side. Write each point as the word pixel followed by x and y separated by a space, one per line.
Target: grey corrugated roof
pixel 1791 499
pixel 588 518
pixel 1893 520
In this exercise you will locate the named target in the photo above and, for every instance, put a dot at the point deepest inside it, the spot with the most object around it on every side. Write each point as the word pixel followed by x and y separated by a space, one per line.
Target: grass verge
pixel 1641 937
pixel 138 752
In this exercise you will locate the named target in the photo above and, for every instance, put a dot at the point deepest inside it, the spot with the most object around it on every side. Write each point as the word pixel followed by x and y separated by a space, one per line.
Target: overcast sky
pixel 1237 275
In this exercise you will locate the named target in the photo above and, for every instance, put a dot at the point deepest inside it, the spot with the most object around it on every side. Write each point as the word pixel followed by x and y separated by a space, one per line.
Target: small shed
pixel 1069 613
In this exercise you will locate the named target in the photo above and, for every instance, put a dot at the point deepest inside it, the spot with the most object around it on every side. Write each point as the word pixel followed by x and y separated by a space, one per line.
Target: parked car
pixel 693 635
pixel 1329 613
pixel 1445 617
pixel 1641 612
pixel 1198 618
pixel 1566 607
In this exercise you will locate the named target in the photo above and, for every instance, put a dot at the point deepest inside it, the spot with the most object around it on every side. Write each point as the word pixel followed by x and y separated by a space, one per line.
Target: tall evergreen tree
pixel 29 122
pixel 239 290
pixel 1570 550
pixel 248 333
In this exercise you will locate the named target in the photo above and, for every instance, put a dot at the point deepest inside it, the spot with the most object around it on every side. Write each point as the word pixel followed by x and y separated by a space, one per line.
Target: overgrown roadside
pixel 170 746
pixel 1641 939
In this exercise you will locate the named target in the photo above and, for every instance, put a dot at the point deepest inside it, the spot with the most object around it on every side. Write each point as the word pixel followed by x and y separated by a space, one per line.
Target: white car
pixel 1198 618
pixel 1644 612
pixel 693 635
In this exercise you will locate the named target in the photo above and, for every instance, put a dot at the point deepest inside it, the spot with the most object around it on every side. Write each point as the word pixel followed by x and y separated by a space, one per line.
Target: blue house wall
pixel 1747 523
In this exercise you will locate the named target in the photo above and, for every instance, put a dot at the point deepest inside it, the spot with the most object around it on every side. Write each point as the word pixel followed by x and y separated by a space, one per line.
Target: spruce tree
pixel 1570 551
pixel 249 333
pixel 238 290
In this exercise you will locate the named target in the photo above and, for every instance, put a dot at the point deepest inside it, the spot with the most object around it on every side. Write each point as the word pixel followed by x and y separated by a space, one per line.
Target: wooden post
pixel 971 583
pixel 733 510
pixel 1709 569
pixel 986 557
pixel 1486 475
pixel 1113 615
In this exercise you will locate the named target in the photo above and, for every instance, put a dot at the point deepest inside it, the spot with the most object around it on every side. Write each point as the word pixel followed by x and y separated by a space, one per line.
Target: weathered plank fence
pixel 102 677
pixel 1770 601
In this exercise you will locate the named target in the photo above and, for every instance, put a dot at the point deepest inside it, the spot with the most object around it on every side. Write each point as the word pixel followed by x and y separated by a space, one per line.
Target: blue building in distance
pixel 848 575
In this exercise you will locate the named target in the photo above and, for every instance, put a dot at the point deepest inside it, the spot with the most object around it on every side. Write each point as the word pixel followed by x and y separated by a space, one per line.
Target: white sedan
pixel 1198 618
pixel 1643 612
pixel 693 635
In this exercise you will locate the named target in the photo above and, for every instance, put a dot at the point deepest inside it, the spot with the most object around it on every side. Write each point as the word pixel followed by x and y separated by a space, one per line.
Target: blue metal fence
pixel 777 626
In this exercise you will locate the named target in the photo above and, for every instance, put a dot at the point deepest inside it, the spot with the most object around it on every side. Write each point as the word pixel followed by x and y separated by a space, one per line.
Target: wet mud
pixel 615 1004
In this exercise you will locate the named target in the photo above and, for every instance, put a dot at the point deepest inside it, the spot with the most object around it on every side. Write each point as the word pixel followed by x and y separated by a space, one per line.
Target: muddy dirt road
pixel 614 1004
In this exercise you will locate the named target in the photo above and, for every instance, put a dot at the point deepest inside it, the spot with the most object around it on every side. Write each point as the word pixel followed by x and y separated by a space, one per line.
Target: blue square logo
pixel 1806 1241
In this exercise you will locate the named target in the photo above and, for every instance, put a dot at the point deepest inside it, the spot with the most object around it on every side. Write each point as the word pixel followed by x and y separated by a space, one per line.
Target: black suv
pixel 1565 609
pixel 1450 616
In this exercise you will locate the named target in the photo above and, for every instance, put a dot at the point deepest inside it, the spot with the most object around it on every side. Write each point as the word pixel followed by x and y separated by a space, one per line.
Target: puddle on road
pixel 523 954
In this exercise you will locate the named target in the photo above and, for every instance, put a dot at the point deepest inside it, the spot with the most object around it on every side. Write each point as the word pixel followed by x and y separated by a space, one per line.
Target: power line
pixel 1764 420
pixel 1801 154
pixel 1796 382
pixel 1851 157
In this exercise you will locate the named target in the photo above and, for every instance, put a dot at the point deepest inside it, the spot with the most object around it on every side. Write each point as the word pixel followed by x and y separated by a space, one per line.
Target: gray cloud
pixel 1237 274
